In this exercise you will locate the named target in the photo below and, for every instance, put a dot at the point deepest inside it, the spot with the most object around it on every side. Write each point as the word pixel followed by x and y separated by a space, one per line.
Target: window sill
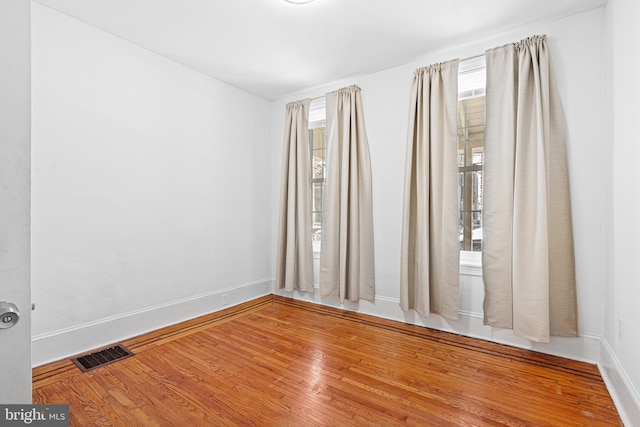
pixel 316 249
pixel 471 263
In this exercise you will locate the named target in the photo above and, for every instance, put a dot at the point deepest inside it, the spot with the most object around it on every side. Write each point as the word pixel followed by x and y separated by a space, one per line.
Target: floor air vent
pixel 101 357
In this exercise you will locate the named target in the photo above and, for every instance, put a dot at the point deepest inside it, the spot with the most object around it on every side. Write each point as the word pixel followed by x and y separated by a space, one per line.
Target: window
pixel 318 149
pixel 471 108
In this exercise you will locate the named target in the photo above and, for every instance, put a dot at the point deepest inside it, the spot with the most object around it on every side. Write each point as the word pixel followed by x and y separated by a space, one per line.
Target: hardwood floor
pixel 280 362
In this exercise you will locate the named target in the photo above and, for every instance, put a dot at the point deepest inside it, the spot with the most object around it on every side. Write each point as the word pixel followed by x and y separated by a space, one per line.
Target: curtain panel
pixel 430 253
pixel 346 259
pixel 528 254
pixel 294 264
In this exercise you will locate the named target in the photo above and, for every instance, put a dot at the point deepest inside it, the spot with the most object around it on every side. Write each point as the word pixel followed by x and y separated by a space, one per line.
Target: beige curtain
pixel 430 253
pixel 527 256
pixel 346 259
pixel 294 264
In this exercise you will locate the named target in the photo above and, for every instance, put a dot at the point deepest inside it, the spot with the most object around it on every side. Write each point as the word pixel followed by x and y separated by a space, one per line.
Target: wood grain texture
pixel 280 362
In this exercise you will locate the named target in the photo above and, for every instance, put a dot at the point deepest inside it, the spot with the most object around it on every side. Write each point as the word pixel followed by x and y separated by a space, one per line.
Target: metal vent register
pixel 102 357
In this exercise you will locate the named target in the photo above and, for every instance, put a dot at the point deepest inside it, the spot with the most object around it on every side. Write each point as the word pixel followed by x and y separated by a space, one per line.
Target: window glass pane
pixel 476 193
pixel 317 140
pixel 316 198
pixel 318 146
pixel 318 165
pixel 461 193
pixel 472 77
pixel 317 228
pixel 461 147
pixel 470 200
pixel 477 156
pixel 470 162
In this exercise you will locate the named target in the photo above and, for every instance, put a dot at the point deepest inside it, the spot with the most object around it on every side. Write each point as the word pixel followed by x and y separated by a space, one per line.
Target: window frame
pixel 471 84
pixel 317 119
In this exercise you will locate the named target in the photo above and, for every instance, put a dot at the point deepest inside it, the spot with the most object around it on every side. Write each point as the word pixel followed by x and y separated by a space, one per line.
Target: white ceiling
pixel 272 48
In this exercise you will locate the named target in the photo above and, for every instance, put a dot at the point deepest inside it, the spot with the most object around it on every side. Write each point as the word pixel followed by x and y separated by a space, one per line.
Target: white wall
pixel 150 190
pixel 597 63
pixel 577 49
pixel 15 65
pixel 150 183
pixel 622 336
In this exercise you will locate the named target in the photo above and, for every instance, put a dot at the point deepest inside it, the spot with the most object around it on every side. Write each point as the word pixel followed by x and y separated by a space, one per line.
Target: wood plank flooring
pixel 279 362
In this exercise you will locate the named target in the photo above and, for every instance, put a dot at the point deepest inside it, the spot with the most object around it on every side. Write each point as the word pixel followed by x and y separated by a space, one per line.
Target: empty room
pixel 319 212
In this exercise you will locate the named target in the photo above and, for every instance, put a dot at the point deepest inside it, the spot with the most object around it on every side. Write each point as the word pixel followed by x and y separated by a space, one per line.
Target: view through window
pixel 471 116
pixel 471 119
pixel 318 149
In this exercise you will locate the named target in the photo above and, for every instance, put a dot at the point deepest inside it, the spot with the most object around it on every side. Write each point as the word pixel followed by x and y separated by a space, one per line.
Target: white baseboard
pixel 68 342
pixel 624 394
pixel 584 348
pixel 60 344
